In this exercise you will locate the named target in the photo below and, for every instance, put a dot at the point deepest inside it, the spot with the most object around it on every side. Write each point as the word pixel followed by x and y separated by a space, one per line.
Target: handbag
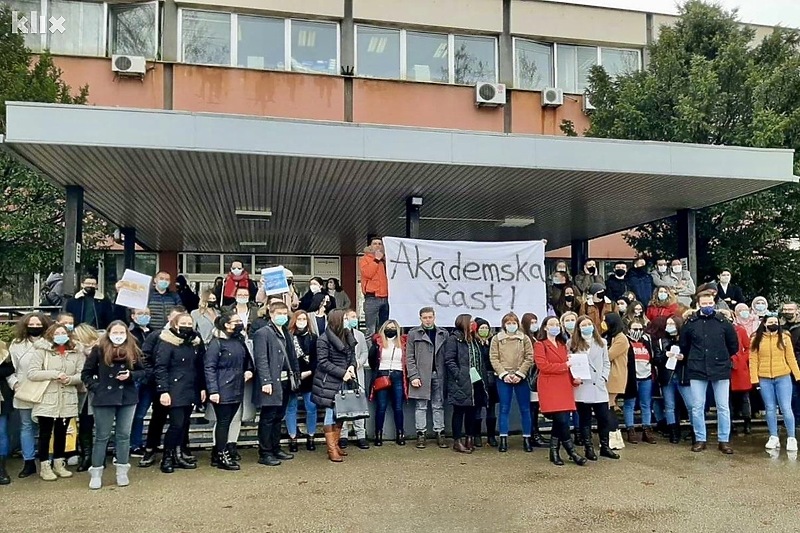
pixel 384 382
pixel 351 403
pixel 33 391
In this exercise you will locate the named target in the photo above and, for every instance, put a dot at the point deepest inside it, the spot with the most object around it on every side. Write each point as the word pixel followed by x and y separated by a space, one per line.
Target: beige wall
pixel 659 20
pixel 325 8
pixel 482 15
pixel 578 23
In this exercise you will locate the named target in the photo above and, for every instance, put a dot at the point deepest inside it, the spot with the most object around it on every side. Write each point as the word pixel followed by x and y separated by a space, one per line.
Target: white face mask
pixel 662 268
pixel 117 340
pixel 725 279
pixel 677 268
pixel 236 271
pixel 314 288
pixel 242 301
pixel 302 324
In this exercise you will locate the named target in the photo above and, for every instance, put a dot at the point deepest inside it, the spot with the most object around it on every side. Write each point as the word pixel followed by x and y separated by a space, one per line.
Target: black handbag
pixel 351 403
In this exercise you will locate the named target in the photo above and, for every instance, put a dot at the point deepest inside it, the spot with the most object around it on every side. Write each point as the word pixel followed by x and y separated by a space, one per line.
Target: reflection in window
pixel 378 52
pixel 533 64
pixel 261 43
pixel 574 63
pixel 474 59
pixel 202 264
pixel 206 37
pixel 314 47
pixel 133 29
pixel 426 57
pixel 29 9
pixel 83 28
pixel 618 62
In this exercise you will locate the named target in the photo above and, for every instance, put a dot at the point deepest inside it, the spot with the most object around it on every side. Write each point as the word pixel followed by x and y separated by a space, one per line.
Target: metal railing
pixel 10 314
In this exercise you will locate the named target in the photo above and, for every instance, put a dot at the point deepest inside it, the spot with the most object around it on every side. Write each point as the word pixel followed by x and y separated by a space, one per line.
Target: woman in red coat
pixel 740 377
pixel 555 386
pixel 663 304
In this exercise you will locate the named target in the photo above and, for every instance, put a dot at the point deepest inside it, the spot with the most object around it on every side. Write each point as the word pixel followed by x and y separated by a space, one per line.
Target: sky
pixel 766 12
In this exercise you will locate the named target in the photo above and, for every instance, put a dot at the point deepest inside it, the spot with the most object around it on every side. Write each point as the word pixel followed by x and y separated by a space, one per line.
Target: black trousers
pixel 464 421
pixel 560 429
pixel 269 424
pixel 57 427
pixel 600 411
pixel 85 430
pixel 740 404
pixel 179 418
pixel 158 420
pixel 224 413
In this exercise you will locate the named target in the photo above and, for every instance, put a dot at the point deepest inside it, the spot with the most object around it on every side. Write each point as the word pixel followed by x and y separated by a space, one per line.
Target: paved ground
pixel 653 488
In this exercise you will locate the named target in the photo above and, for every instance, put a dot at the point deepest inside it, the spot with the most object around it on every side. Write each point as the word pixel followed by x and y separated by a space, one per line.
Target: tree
pixel 32 208
pixel 708 83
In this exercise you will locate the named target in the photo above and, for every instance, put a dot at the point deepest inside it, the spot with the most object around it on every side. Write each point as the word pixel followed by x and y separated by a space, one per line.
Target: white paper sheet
pixel 579 366
pixel 135 290
pixel 672 362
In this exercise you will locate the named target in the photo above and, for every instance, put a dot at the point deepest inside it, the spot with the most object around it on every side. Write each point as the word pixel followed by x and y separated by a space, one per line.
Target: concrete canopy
pixel 179 177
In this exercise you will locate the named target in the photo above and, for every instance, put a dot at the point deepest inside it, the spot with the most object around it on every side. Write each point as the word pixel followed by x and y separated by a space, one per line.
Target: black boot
pixel 674 434
pixel 526 444
pixel 225 461
pixel 293 444
pixel 478 441
pixel 28 469
pixel 147 459
pixel 5 479
pixel 586 433
pixel 748 426
pixel 233 452
pixel 577 437
pixel 187 456
pixel 555 458
pixel 400 440
pixel 491 432
pixel 86 441
pixel 503 444
pixel 605 449
pixel 168 461
pixel 536 436
pixel 379 438
pixel 569 447
pixel 310 445
pixel 179 458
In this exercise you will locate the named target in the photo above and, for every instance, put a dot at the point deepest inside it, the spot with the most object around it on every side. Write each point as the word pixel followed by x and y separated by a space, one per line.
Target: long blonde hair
pixel 86 335
pixel 397 341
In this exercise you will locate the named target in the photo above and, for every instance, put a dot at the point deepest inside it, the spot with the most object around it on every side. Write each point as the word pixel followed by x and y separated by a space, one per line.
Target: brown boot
pixel 470 444
pixel 725 447
pixel 338 429
pixel 647 435
pixel 633 438
pixel 459 447
pixel 331 440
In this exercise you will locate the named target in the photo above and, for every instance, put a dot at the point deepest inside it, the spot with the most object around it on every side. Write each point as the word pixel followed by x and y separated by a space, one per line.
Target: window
pixel 617 61
pixel 206 37
pixel 261 43
pixel 533 65
pixel 134 29
pixel 30 9
pixel 84 24
pixel 315 47
pixel 574 63
pixel 378 52
pixel 299 265
pixel 203 264
pixel 246 260
pixel 474 59
pixel 427 57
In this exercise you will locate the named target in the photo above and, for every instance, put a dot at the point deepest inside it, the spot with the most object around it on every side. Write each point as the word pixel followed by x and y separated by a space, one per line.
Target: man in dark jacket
pixel 729 293
pixel 708 342
pixel 617 282
pixel 89 306
pixel 789 313
pixel 275 358
pixel 640 281
pixel 161 300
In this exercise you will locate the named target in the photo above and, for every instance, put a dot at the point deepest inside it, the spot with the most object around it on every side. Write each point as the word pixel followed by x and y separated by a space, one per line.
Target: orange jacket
pixel 373 275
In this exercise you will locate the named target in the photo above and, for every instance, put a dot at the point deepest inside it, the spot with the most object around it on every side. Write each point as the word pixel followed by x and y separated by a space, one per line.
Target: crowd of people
pixel 651 339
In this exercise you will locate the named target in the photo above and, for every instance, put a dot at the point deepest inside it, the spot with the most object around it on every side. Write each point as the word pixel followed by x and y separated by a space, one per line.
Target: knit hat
pixel 481 321
pixel 596 287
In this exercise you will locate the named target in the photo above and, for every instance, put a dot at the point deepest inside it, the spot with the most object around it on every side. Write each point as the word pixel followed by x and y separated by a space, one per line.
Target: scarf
pixel 231 284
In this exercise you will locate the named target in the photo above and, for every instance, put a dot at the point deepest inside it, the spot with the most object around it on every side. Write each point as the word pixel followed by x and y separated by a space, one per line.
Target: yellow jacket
pixel 770 361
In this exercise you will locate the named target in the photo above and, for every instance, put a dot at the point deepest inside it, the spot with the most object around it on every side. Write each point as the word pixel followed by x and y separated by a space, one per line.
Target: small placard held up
pixel 274 279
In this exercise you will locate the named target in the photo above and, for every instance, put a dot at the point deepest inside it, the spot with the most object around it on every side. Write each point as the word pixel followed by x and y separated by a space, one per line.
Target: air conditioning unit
pixel 552 97
pixel 129 65
pixel 588 106
pixel 490 94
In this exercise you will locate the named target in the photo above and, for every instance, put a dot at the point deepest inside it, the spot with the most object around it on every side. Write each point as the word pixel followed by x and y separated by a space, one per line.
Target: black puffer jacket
pixel 334 357
pixel 226 360
pixel 308 359
pixel 179 368
pixel 707 344
pixel 457 364
pixel 101 380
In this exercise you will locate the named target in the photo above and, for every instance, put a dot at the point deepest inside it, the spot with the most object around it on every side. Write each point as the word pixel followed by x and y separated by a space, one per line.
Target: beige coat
pixel 59 401
pixel 511 353
pixel 21 356
pixel 618 354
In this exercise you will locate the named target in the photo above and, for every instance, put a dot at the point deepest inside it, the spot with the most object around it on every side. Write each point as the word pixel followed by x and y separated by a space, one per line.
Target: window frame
pixel 553 66
pixel 231 34
pixel 620 49
pixel 288 46
pixel 46 35
pixel 235 42
pixel 157 27
pixel 402 51
pixel 451 53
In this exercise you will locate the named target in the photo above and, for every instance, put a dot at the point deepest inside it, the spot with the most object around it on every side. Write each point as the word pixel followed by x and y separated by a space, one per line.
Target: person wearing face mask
pixel 426 375
pixel 334 288
pixel 791 323
pixel 530 327
pixel 618 346
pixel 484 340
pixel 746 318
pixel 387 359
pixel 760 307
pixel 558 283
pixel 237 278
pixel 89 306
pixel 622 305
pixel 314 291
pixel 597 305
pixel 568 302
pixel 27 331
pixel 711 287
pixel 635 313
pixel 640 281
pixel 319 308
pixel 677 280
pixel 140 329
pixel 86 338
pixel 6 370
pixel 665 333
pixel 110 374
pixel 161 299
pixel 180 382
pixel 140 324
pixel 205 316
pixel 511 355
pixel 247 310
pixel 708 342
pixel 740 378
pixel 663 303
pixel 639 383
pixel 772 366
pixel 588 277
pixel 228 366
pixel 726 291
pixel 56 361
pixel 362 361
pixel 289 298
pixel 306 350
pixel 67 320
pixel 568 326
pixel 617 282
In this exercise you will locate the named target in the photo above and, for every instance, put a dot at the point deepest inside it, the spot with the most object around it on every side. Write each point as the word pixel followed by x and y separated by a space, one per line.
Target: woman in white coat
pixel 57 361
pixel 592 395
pixel 362 362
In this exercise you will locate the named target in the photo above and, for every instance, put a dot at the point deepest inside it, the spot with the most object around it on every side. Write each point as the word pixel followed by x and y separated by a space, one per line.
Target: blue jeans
pixel 721 392
pixel 118 418
pixel 291 414
pixel 671 390
pixel 137 429
pixel 775 392
pixel 506 392
pixel 397 395
pixel 4 442
pixel 644 391
pixel 330 417
pixel 28 435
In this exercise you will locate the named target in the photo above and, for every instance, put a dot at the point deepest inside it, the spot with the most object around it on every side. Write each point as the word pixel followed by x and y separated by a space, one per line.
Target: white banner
pixel 484 279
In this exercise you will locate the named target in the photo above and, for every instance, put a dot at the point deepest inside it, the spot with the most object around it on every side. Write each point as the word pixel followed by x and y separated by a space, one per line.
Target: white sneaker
pixel 73 461
pixel 791 444
pixel 774 443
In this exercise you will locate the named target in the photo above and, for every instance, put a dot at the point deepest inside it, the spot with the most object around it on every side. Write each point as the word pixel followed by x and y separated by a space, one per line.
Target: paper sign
pixel 672 362
pixel 274 279
pixel 134 289
pixel 579 366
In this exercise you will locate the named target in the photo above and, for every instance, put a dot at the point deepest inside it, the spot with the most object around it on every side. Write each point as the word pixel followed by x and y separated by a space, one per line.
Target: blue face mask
pixel 569 326
pixel 69 327
pixel 672 330
pixel 707 310
pixel 587 331
pixel 351 323
pixel 511 328
pixel 142 320
pixel 662 296
pixel 745 315
pixel 162 284
pixel 554 331
pixel 61 339
pixel 280 320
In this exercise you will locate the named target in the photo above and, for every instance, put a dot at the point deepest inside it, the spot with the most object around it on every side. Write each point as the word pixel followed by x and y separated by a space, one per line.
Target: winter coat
pixel 491 377
pixel 595 313
pixel 770 361
pixel 631 390
pixel 615 288
pixel 555 386
pixel 511 354
pixel 189 299
pixel 740 373
pixel 375 356
pixel 334 357
pixel 306 358
pixel 160 306
pixel 103 310
pixel 732 295
pixel 275 357
pixel 657 311
pixel 595 390
pixel 618 355
pixel 794 332
pixel 179 369
pixel 101 380
pixel 362 355
pixel 204 325
pixel 59 401
pixel 583 281
pixel 139 333
pixel 423 359
pixel 708 343
pixel 53 291
pixel 225 362
pixel 661 349
pixel 373 275
pixel 641 283
pixel 21 353
pixel 6 370
pixel 252 316
pixel 231 284
pixel 681 284
pixel 457 364
pixel 342 300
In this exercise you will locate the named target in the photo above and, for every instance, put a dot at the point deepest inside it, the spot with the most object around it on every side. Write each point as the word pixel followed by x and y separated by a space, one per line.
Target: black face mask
pixel 772 328
pixel 35 331
pixel 788 317
pixel 212 305
pixel 619 272
pixel 600 295
pixel 185 332
pixel 592 270
pixel 237 329
pixel 390 333
pixel 569 298
pixel 89 291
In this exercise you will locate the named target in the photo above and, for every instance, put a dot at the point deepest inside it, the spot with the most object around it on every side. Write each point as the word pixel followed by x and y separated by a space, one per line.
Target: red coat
pixel 655 311
pixel 740 375
pixel 555 382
